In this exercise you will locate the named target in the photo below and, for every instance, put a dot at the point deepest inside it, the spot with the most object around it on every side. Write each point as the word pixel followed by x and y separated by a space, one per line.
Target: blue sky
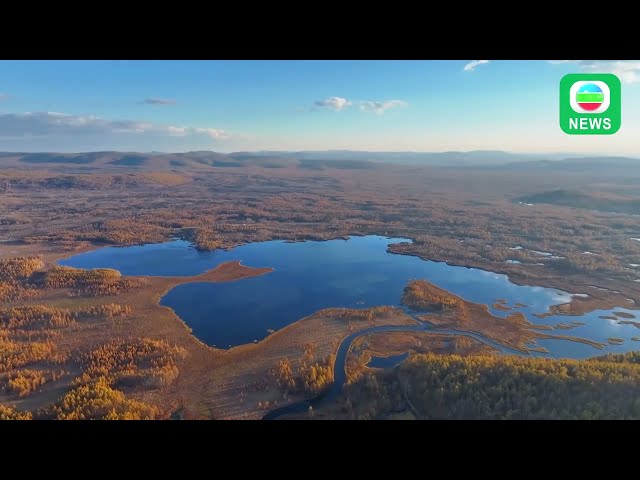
pixel 301 105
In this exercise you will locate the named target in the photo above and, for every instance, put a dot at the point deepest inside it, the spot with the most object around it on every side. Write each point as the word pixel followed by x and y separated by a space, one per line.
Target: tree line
pixel 19 268
pixel 97 282
pixel 14 278
pixel 500 387
pixel 143 362
pixel 421 295
pixel 310 376
pixel 99 401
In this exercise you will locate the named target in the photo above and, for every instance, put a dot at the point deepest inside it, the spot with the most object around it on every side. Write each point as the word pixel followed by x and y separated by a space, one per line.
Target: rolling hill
pixel 582 200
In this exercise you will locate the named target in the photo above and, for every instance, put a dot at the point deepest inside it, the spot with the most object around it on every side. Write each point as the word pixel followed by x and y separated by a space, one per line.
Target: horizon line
pixel 333 150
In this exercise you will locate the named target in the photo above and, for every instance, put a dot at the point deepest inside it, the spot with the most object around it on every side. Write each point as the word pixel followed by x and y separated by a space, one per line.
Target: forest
pixel 432 386
pixel 37 352
pixel 142 363
pixel 96 282
pixel 14 278
pixel 423 296
pixel 99 392
pixel 311 376
pixel 98 401
pixel 8 413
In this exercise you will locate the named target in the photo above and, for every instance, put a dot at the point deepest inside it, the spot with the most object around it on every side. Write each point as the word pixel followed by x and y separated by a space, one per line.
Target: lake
pixel 308 276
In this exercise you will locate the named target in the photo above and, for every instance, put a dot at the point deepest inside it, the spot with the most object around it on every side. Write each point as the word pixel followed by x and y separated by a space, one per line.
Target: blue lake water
pixel 308 276
pixel 387 362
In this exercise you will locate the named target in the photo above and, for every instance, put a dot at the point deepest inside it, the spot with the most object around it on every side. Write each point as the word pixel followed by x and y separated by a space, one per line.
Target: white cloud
pixel 158 101
pixel 177 131
pixel 381 107
pixel 471 66
pixel 334 103
pixel 215 133
pixel 628 71
pixel 338 103
pixel 61 124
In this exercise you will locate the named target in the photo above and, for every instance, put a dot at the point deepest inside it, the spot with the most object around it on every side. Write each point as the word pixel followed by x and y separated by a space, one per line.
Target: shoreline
pixel 209 276
pixel 556 309
pixel 552 282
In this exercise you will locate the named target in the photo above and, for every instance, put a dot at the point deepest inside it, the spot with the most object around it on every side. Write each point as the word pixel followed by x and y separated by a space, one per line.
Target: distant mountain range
pixel 406 158
pixel 452 158
pixel 316 160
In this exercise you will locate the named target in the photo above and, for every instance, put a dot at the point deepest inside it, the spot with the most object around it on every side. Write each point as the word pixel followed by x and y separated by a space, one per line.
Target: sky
pixel 225 106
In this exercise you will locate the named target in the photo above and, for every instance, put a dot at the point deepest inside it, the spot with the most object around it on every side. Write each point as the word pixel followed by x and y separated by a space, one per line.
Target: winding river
pixel 339 367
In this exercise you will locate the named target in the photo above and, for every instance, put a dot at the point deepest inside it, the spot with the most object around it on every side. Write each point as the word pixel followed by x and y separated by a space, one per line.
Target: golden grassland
pixel 586 341
pixel 580 305
pixel 384 344
pixel 447 310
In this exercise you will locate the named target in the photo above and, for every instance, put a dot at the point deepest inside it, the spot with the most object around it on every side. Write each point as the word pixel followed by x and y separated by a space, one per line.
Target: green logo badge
pixel 590 104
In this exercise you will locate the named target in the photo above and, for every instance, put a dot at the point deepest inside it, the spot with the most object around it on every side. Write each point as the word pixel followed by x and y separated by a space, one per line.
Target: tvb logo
pixel 590 104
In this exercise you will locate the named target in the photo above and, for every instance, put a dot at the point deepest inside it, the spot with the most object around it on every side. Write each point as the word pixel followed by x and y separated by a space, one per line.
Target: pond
pixel 387 362
pixel 311 275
